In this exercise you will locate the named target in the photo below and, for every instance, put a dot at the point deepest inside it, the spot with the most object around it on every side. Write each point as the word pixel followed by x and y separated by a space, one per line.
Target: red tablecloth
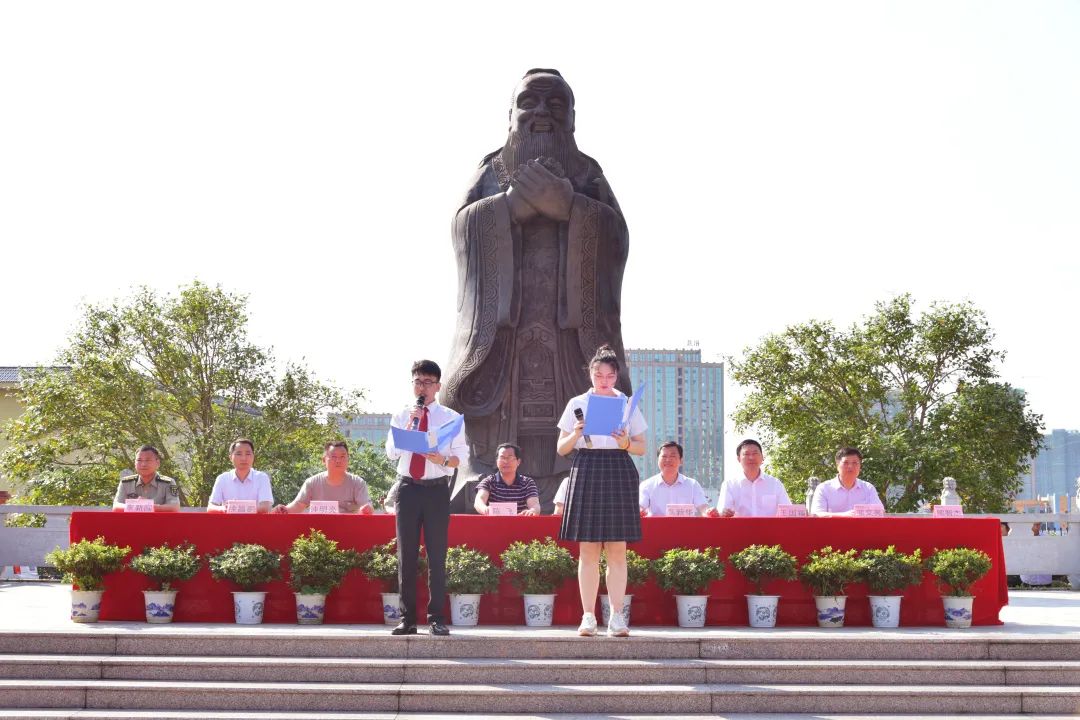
pixel 202 599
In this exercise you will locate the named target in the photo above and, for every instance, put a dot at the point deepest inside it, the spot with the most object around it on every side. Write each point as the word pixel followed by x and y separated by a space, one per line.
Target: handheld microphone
pixel 419 406
pixel 581 416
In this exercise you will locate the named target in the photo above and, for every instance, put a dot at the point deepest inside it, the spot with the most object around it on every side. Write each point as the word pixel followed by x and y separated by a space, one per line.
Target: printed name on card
pixel 681 510
pixel 869 510
pixel 502 509
pixel 140 505
pixel 240 507
pixel 324 507
pixel 948 511
pixel 791 511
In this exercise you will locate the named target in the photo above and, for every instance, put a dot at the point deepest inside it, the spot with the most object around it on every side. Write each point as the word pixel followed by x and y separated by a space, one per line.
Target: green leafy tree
pixel 918 395
pixel 177 372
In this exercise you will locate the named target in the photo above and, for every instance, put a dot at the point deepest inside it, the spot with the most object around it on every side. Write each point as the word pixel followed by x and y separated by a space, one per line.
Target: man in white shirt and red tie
pixel 755 494
pixel 839 496
pixel 424 499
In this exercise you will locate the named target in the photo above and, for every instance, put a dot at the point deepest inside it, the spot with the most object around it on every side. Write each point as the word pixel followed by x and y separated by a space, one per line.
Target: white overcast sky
pixel 776 162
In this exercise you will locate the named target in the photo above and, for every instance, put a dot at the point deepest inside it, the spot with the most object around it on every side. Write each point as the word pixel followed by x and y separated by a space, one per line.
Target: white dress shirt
pixel 256 486
pixel 831 496
pixel 654 495
pixel 438 415
pixel 599 442
pixel 752 498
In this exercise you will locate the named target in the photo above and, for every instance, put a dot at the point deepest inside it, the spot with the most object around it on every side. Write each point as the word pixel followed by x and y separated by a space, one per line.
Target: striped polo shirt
pixel 524 487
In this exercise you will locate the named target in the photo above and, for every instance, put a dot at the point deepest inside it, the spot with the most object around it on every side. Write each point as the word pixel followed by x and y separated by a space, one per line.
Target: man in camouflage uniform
pixel 146 483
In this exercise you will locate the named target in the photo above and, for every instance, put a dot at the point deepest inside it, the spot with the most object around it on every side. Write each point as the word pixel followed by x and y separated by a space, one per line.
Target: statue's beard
pixel 524 145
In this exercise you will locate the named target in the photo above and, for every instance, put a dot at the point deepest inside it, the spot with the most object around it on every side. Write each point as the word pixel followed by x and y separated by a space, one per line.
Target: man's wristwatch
pixel 446 461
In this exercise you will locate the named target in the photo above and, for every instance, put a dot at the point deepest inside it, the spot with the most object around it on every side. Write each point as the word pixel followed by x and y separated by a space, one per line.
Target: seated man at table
pixel 671 487
pixel 243 482
pixel 337 484
pixel 754 494
pixel 147 483
pixel 507 485
pixel 560 496
pixel 839 496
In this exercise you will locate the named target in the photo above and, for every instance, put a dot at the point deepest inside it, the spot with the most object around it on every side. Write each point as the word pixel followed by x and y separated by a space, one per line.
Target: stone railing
pixel 1053 554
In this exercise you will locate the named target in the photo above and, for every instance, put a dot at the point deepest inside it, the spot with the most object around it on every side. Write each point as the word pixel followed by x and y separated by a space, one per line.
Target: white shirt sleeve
pixel 699 495
pixel 215 494
pixel 819 504
pixel 643 495
pixel 725 501
pixel 266 494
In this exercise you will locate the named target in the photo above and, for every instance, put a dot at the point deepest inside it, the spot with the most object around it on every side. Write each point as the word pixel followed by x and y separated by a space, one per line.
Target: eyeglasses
pixel 424 383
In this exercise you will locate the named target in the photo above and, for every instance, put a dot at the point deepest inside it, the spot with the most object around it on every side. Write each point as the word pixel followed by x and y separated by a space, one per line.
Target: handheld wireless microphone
pixel 581 416
pixel 420 406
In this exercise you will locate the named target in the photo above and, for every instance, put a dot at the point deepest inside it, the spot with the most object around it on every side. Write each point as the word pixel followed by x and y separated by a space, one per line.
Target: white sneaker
pixel 616 626
pixel 587 628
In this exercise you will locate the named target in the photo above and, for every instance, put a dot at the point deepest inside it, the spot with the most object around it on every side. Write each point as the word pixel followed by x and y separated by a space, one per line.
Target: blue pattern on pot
pixel 882 614
pixel 81 610
pixel 467 610
pixel 536 612
pixel 695 613
pixel 832 615
pixel 958 613
pixel 309 612
pixel 765 614
pixel 163 610
pixel 391 612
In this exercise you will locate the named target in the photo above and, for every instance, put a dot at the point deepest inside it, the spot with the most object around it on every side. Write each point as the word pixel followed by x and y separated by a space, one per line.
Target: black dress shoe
pixel 404 628
pixel 438 628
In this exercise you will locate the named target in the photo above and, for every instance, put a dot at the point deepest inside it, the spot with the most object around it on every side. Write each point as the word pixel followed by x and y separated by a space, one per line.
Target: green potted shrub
pixel 956 570
pixel 85 565
pixel 469 574
pixel 688 571
pixel 760 565
pixel 380 564
pixel 316 566
pixel 887 573
pixel 248 566
pixel 827 572
pixel 165 564
pixel 538 568
pixel 637 572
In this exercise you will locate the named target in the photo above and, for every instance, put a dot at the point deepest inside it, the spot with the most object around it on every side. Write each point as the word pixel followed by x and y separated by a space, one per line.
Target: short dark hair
pixel 148 448
pixel 512 446
pixel 845 451
pixel 241 441
pixel 744 443
pixel 336 444
pixel 605 354
pixel 427 367
pixel 670 443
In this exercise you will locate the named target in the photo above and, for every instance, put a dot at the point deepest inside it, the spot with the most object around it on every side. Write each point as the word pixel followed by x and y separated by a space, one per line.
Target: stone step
pixel 555 671
pixel 513 698
pixel 519 643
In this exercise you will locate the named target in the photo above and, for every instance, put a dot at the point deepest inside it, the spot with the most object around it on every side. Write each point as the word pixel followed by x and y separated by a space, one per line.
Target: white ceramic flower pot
pixel 605 609
pixel 762 610
pixel 464 609
pixel 539 610
pixel 392 613
pixel 85 605
pixel 885 610
pixel 691 610
pixel 957 611
pixel 248 607
pixel 830 610
pixel 159 605
pixel 310 608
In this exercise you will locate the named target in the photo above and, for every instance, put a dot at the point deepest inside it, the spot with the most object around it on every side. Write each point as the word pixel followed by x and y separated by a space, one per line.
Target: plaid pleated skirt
pixel 602 498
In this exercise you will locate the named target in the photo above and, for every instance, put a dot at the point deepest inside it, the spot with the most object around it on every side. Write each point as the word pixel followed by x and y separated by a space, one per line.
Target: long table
pixel 202 599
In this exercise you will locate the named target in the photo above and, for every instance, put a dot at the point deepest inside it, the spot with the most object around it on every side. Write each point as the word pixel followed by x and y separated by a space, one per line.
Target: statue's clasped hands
pixel 550 195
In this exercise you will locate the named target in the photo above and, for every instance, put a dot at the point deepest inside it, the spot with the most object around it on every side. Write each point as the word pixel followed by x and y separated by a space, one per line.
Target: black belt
pixel 431 482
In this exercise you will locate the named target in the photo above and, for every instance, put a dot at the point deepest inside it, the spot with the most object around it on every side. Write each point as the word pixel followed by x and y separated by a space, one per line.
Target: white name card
pixel 869 510
pixel 948 511
pixel 791 511
pixel 324 507
pixel 139 505
pixel 503 509
pixel 242 507
pixel 681 510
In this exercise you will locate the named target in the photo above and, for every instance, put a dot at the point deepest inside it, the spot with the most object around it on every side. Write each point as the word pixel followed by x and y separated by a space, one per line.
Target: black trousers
pixel 426 507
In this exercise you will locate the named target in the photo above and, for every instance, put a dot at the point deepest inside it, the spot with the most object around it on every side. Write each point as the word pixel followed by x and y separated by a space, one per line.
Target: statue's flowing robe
pixel 535 300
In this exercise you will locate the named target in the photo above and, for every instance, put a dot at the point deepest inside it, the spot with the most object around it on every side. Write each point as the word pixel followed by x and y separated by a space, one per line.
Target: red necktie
pixel 418 463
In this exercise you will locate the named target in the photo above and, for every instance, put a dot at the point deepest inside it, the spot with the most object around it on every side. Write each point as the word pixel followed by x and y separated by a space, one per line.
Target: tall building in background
pixel 684 402
pixel 366 426
pixel 1056 467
